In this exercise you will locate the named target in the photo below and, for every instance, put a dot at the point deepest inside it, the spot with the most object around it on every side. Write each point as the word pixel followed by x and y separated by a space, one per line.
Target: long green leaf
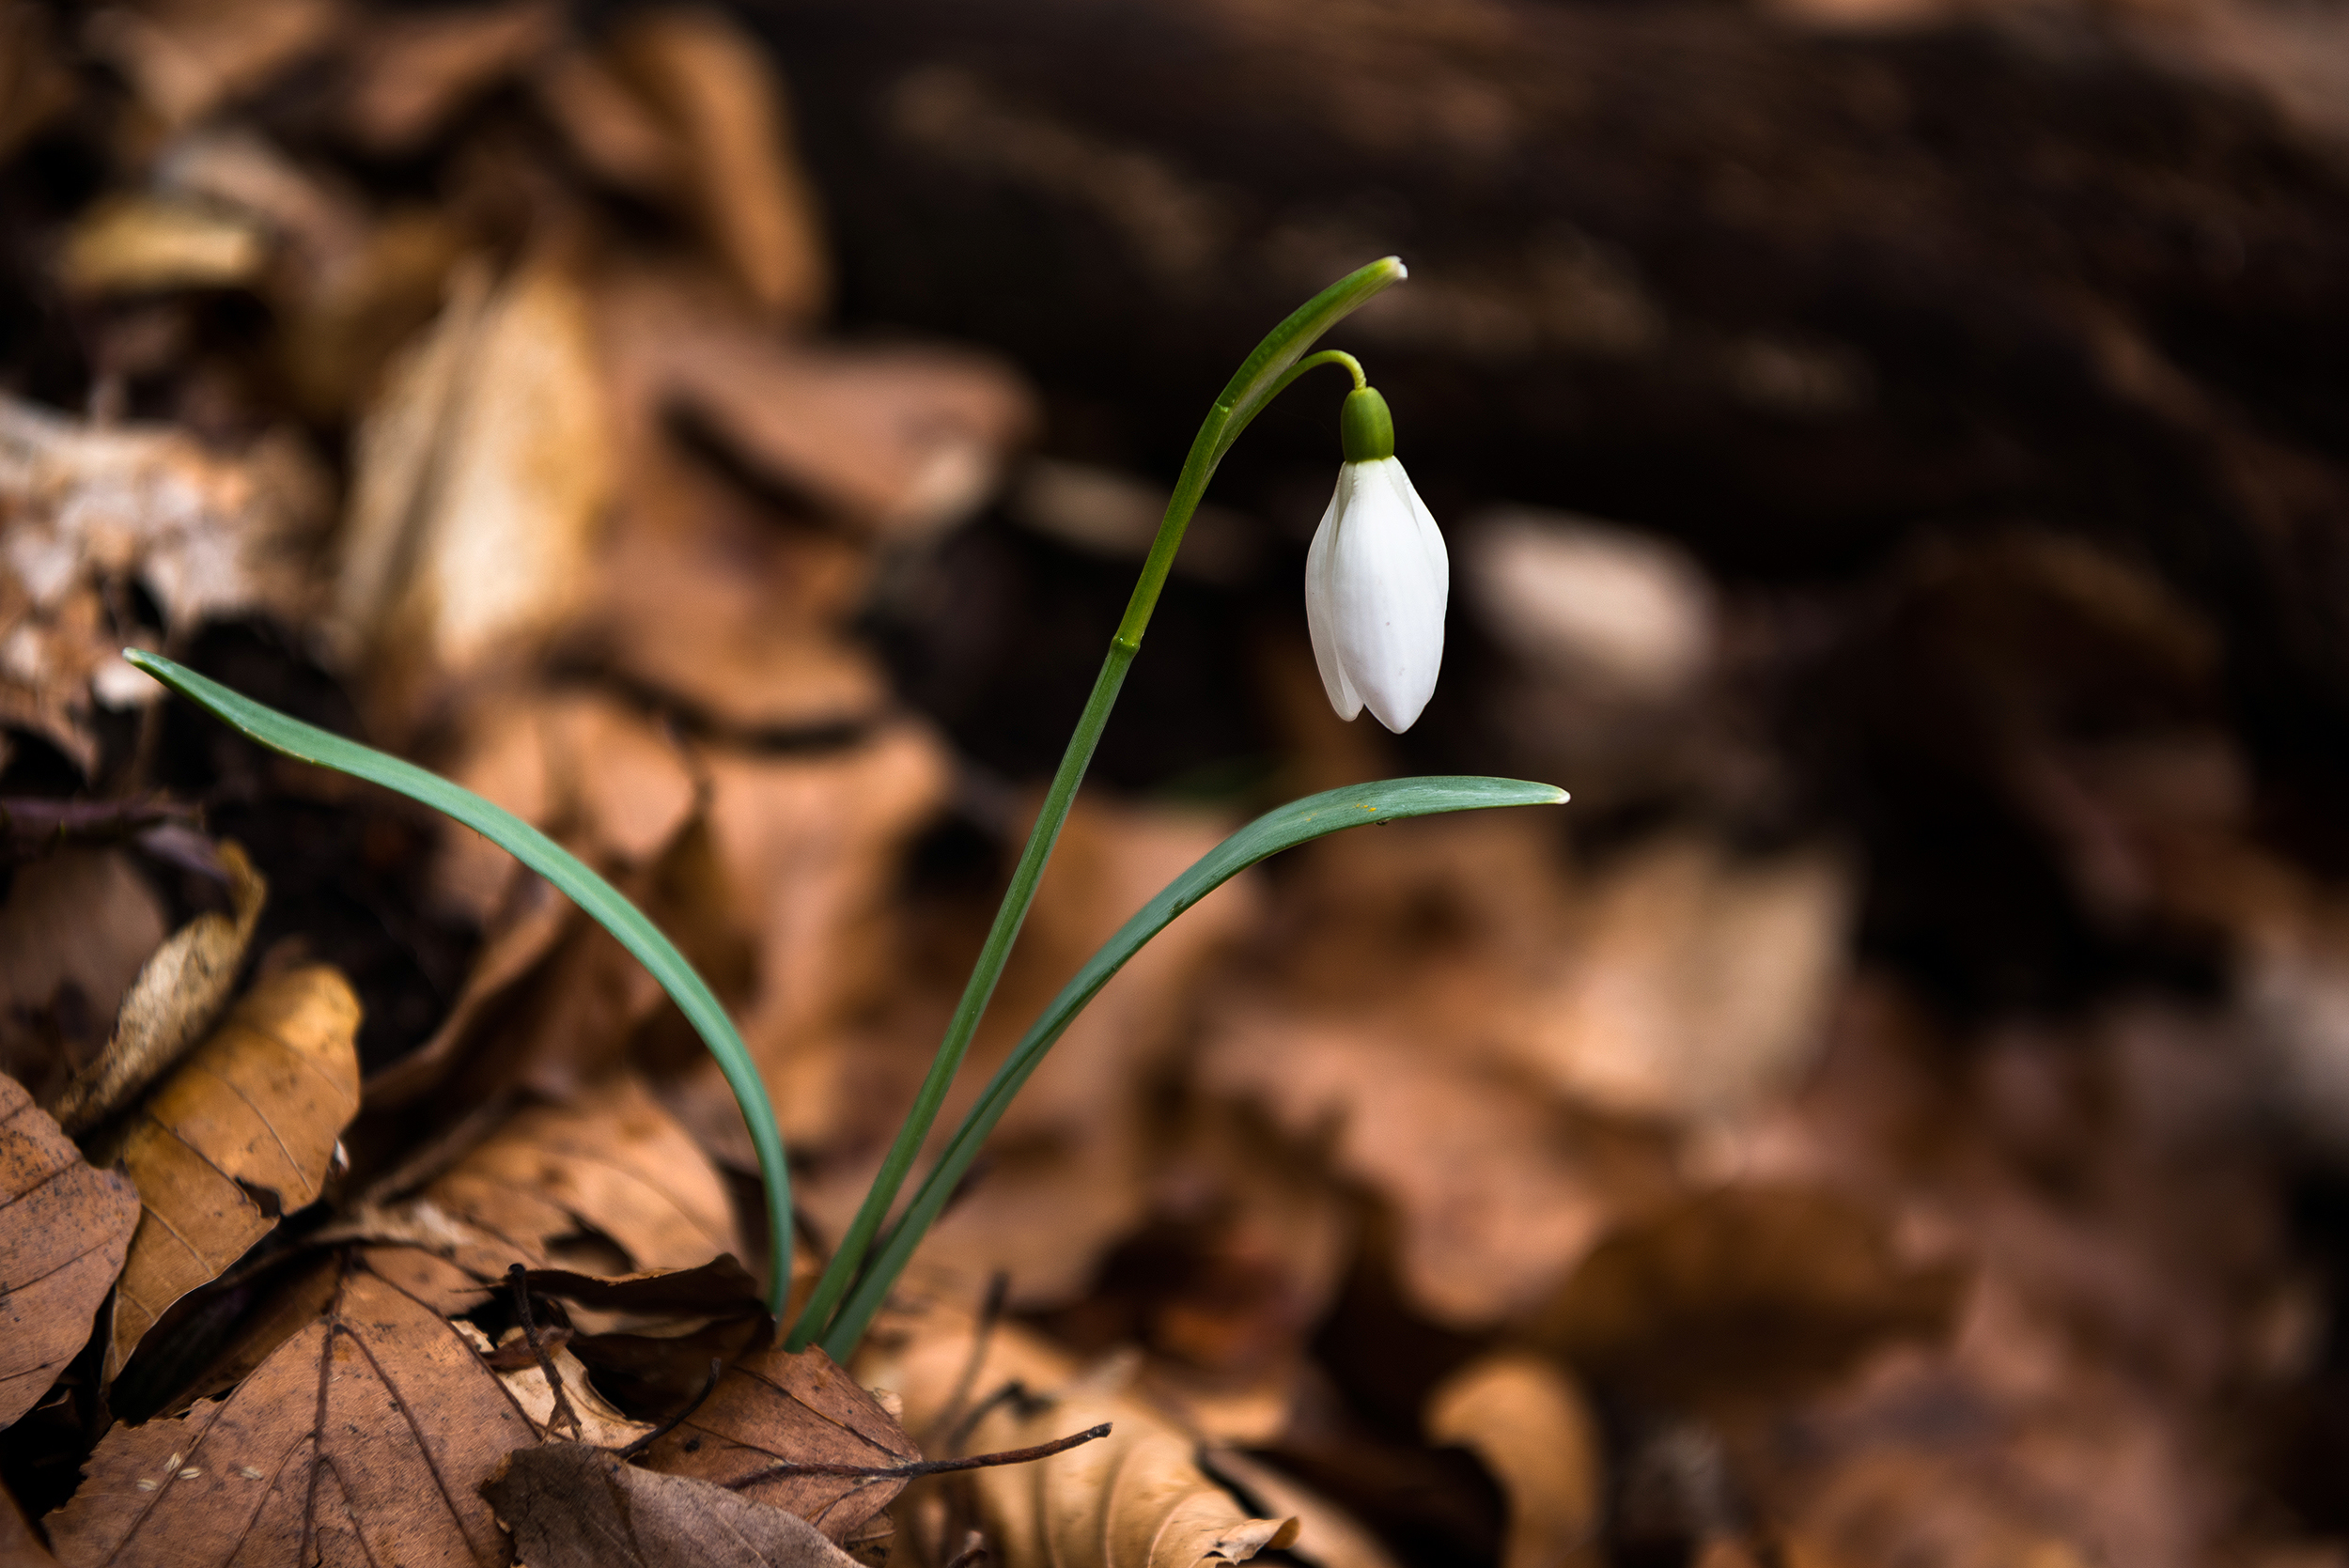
pixel 1314 816
pixel 549 860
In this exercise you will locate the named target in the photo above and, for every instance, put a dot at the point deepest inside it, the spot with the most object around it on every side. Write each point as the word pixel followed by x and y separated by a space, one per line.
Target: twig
pixel 928 1467
pixel 518 1277
pixel 717 1370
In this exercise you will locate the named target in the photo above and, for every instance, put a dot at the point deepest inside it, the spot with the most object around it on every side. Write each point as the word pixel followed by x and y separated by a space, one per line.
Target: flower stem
pixel 1279 360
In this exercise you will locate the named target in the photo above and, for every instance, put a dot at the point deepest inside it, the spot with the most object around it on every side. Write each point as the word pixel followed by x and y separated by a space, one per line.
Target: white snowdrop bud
pixel 1377 578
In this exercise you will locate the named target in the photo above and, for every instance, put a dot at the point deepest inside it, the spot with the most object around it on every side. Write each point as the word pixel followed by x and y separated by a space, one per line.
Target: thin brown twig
pixel 926 1467
pixel 518 1277
pixel 982 1335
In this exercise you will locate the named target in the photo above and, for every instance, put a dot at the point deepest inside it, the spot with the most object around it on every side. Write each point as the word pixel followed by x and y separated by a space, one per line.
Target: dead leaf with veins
pixel 366 1437
pixel 63 1229
pixel 570 1505
pixel 778 1407
pixel 240 1134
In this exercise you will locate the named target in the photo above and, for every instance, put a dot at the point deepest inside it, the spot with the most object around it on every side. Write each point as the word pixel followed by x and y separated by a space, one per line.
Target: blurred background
pixel 1894 456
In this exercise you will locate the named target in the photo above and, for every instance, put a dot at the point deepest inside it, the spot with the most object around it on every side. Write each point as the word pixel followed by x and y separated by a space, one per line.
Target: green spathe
pixel 1365 428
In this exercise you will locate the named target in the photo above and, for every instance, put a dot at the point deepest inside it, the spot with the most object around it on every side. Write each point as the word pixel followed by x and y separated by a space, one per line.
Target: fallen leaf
pixel 364 1439
pixel 1701 986
pixel 1135 1498
pixel 78 924
pixel 611 1170
pixel 583 1415
pixel 719 95
pixel 480 473
pixel 572 1506
pixel 18 1543
pixel 778 1407
pixel 1327 1535
pixel 415 69
pixel 93 509
pixel 186 58
pixel 1531 1427
pixel 177 997
pixel 64 1229
pixel 1745 1292
pixel 240 1134
pixel 140 244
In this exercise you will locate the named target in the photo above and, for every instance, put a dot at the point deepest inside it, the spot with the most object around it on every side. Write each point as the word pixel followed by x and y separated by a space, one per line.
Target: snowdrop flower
pixel 1376 578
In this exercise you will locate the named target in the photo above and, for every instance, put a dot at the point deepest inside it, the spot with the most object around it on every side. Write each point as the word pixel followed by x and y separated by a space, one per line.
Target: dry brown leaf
pixel 177 997
pixel 480 474
pixel 19 1545
pixel 77 926
pixel 903 442
pixel 583 1415
pixel 415 68
pixel 573 1184
pixel 1327 1535
pixel 364 1439
pixel 572 1506
pixel 141 243
pixel 1701 986
pixel 1747 1291
pixel 241 1133
pixel 186 58
pixel 1137 1499
pixel 719 94
pixel 64 1229
pixel 779 1408
pixel 92 510
pixel 1526 1420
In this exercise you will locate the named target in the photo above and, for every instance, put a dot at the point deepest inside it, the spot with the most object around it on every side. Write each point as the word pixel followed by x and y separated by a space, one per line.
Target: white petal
pixel 1318 608
pixel 1389 577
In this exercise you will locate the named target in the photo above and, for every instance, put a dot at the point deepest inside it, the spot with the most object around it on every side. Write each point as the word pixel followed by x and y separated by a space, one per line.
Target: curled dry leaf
pixel 1523 1417
pixel 177 997
pixel 1137 1499
pixel 480 473
pixel 717 92
pixel 240 1134
pixel 572 1506
pixel 611 1170
pixel 777 1407
pixel 582 1414
pixel 64 1229
pixel 92 510
pixel 1746 1291
pixel 364 1439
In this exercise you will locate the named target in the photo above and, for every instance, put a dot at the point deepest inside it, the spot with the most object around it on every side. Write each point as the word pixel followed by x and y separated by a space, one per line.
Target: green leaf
pixel 1314 816
pixel 549 860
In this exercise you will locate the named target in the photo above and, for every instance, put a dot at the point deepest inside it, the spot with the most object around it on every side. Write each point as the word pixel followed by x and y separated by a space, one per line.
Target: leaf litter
pixel 1472 1191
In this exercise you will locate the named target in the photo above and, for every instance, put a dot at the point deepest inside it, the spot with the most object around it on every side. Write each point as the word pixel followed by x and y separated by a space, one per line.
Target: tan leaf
pixel 364 1439
pixel 64 1229
pixel 718 91
pixel 479 476
pixel 1137 1499
pixel 563 1184
pixel 241 1133
pixel 177 997
pixel 572 1506
pixel 776 1407
pixel 1525 1419
pixel 1744 1291
pixel 592 1417
pixel 18 1543
pixel 138 243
